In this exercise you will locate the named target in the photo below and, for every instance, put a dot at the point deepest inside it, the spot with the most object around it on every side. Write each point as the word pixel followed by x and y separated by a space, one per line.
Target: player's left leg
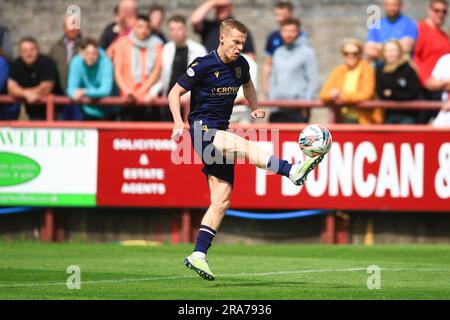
pixel 220 192
pixel 232 146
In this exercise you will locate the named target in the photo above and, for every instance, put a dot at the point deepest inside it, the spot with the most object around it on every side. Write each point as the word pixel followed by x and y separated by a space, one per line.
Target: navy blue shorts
pixel 214 163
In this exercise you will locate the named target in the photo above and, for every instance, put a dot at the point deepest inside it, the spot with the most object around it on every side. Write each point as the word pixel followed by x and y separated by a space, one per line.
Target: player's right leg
pixel 232 146
pixel 220 201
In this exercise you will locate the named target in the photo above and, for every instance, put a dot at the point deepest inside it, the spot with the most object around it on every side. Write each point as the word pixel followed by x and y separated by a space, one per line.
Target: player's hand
pixel 258 114
pixel 177 131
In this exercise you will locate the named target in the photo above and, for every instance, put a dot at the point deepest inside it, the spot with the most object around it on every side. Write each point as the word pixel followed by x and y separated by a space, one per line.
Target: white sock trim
pixel 199 255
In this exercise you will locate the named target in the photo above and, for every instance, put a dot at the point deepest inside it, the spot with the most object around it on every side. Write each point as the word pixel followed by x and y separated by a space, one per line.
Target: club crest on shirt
pixel 238 71
pixel 190 72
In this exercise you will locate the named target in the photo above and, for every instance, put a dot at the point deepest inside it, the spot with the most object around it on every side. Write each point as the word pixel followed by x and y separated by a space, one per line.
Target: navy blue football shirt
pixel 214 86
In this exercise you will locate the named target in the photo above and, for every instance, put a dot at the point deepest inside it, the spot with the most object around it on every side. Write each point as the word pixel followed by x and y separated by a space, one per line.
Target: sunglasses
pixel 437 11
pixel 350 53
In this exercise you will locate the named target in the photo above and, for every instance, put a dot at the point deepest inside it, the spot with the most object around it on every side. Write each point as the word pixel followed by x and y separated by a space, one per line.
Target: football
pixel 315 140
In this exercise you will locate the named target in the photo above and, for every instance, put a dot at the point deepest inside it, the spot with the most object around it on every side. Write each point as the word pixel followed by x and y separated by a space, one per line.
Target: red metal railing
pixel 52 101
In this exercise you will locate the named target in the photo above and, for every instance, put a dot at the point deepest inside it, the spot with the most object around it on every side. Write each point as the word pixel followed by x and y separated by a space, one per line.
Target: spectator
pixel 156 17
pixel 177 55
pixel 397 80
pixel 32 77
pixel 7 112
pixel 440 77
pixel 63 50
pixel 137 65
pixel 432 44
pixel 209 29
pixel 282 10
pixel 5 42
pixel 112 30
pixel 124 22
pixel 91 75
pixel 394 25
pixel 352 83
pixel 295 72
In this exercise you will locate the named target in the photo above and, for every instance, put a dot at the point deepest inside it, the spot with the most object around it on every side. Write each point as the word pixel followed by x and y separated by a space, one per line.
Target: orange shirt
pixel 123 67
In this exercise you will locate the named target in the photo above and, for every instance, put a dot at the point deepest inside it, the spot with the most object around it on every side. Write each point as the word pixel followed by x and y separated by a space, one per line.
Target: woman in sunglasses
pixel 350 83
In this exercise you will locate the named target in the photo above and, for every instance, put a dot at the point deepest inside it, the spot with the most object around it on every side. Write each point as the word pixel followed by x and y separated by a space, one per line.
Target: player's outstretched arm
pixel 174 105
pixel 252 98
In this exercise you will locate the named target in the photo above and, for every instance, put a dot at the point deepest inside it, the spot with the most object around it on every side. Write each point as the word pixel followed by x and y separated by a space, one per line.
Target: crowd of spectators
pixel 401 60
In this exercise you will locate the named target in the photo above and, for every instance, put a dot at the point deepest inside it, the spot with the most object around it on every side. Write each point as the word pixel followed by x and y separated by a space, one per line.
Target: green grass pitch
pixel 108 271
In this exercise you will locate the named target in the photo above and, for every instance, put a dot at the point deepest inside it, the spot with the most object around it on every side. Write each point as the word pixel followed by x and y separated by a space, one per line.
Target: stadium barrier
pixel 103 182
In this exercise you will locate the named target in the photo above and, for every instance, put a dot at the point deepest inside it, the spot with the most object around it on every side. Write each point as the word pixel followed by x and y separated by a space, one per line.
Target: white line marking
pixel 275 273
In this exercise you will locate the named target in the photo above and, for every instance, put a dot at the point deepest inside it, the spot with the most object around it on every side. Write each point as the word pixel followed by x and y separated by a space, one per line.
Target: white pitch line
pixel 274 273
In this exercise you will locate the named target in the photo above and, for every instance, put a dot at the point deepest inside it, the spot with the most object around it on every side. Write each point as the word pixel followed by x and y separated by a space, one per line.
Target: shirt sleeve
pixel 49 71
pixel 268 50
pixel 246 72
pixel 411 30
pixel 4 70
pixel 192 76
pixel 439 69
pixel 14 71
pixel 372 36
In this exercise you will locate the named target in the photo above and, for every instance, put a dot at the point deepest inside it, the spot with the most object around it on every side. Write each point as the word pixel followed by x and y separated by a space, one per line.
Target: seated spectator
pixel 91 75
pixel 5 42
pixel 124 22
pixel 156 17
pixel 209 29
pixel 397 80
pixel 295 73
pixel 283 10
pixel 432 44
pixel 137 64
pixel 62 52
pixel 440 77
pixel 8 111
pixel 394 25
pixel 32 77
pixel 177 55
pixel 352 83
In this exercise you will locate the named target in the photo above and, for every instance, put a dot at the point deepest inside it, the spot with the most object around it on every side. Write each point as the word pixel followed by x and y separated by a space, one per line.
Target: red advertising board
pixel 365 170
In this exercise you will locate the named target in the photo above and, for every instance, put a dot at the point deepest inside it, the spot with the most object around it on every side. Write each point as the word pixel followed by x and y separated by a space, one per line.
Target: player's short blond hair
pixel 230 24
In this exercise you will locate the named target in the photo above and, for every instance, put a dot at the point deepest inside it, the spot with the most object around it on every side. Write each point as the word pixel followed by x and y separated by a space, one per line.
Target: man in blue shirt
pixel 214 81
pixel 394 26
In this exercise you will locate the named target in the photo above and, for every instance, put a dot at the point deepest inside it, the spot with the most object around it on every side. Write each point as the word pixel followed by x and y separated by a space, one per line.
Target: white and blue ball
pixel 315 140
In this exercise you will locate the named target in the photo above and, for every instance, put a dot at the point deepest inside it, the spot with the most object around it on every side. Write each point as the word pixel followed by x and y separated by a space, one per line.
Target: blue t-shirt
pixel 214 86
pixel 398 29
pixel 274 41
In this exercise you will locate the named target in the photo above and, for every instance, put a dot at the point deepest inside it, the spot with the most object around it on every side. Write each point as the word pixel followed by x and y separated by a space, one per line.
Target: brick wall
pixel 326 21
